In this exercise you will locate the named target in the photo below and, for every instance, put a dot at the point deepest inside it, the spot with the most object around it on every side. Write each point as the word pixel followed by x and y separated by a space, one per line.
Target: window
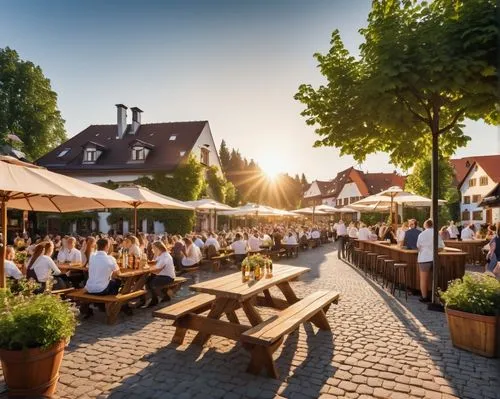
pixel 90 155
pixel 182 153
pixel 477 215
pixel 472 182
pixel 483 181
pixel 346 201
pixel 465 215
pixel 173 137
pixel 352 199
pixel 476 199
pixel 138 153
pixel 64 152
pixel 205 156
pixel 466 199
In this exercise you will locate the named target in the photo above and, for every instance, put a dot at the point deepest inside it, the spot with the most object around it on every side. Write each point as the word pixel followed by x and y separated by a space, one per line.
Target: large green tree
pixel 28 106
pixel 422 69
pixel 224 155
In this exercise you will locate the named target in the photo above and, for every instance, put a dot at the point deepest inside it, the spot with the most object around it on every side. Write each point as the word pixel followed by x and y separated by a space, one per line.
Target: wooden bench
pixel 217 260
pixel 174 286
pixel 180 311
pixel 62 292
pixel 264 339
pixel 277 253
pixel 113 303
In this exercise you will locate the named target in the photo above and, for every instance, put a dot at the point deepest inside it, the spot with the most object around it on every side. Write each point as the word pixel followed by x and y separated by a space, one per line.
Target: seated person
pixel 41 267
pixel 199 242
pixel 239 247
pixel 254 242
pixel 364 232
pixel 69 254
pixel 192 254
pixel 177 251
pixel 131 244
pixel 11 270
pixel 389 235
pixel 211 240
pixel 162 274
pixel 290 239
pixel 102 271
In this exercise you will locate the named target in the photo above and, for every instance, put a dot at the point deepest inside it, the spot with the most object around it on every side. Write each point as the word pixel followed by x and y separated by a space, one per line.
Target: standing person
pixel 425 257
pixel 453 231
pixel 467 233
pixel 493 256
pixel 162 274
pixel 400 234
pixel 444 233
pixel 364 232
pixel 341 236
pixel 411 235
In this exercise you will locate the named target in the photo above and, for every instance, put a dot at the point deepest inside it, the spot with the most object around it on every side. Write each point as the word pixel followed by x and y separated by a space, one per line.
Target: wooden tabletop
pixel 134 272
pixel 384 244
pixel 232 286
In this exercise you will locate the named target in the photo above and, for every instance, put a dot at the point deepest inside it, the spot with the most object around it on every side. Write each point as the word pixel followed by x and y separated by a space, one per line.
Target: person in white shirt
pixel 102 271
pixel 192 254
pixel 426 256
pixel 290 239
pixel 131 244
pixel 364 232
pixel 41 267
pixel 162 274
pixel 468 233
pixel 199 242
pixel 11 270
pixel 453 230
pixel 211 240
pixel 239 247
pixel 254 242
pixel 69 254
pixel 400 234
pixel 352 231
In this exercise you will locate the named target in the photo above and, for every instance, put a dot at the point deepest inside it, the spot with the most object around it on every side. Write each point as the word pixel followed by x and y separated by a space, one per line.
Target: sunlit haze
pixel 236 64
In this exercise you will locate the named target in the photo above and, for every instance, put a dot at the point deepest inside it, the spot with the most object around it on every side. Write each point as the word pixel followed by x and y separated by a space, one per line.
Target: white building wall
pixel 206 140
pixel 466 190
pixel 330 201
pixel 104 227
pixel 312 191
pixel 348 191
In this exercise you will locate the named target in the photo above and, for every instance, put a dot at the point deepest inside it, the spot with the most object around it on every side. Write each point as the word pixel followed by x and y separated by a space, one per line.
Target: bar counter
pixel 474 249
pixel 451 261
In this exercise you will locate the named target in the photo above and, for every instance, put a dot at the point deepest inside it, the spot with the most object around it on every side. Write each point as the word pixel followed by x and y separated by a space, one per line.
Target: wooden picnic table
pixel 224 295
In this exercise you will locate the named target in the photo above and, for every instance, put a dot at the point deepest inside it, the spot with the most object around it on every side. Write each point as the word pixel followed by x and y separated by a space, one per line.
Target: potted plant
pixel 473 313
pixel 34 329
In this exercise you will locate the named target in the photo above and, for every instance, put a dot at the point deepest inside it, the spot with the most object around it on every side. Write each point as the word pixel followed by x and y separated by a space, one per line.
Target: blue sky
pixel 234 63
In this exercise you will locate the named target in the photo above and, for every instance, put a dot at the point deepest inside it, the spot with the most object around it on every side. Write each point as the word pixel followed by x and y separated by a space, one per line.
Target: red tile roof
pixel 490 164
pixel 378 182
pixel 165 154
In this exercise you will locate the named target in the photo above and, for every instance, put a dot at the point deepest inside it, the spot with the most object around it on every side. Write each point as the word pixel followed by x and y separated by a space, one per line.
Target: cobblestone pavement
pixel 379 347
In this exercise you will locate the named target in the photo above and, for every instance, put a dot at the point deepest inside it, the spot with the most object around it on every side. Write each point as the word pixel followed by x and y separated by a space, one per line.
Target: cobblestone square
pixel 379 346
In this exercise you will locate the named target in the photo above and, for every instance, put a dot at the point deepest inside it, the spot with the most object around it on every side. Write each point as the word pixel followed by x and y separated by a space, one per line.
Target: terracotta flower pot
pixel 32 372
pixel 474 333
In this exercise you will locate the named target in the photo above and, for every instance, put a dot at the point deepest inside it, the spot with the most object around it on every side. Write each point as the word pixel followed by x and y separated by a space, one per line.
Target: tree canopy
pixel 28 106
pixel 423 68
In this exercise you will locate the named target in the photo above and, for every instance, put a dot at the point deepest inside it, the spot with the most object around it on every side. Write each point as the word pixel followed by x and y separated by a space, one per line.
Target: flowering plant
pixel 475 293
pixel 253 261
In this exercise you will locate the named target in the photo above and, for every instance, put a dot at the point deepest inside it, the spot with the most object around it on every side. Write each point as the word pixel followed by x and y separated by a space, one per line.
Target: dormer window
pixel 173 137
pixel 63 153
pixel 90 155
pixel 138 153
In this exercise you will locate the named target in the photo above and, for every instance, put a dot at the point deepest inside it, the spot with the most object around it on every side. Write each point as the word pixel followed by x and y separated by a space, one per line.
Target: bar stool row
pixel 393 274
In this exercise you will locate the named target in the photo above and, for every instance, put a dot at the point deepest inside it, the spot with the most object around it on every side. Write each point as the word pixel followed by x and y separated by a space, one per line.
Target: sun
pixel 270 168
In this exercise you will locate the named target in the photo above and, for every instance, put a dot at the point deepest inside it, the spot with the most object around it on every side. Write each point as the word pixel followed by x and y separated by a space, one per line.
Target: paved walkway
pixel 379 347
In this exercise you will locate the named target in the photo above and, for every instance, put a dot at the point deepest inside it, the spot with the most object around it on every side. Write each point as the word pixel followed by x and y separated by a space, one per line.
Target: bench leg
pixel 320 321
pixel 288 292
pixel 262 357
pixel 219 307
pixel 231 316
pixel 112 311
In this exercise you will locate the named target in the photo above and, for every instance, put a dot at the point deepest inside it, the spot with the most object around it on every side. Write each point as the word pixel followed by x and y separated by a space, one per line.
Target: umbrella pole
pixel 3 214
pixel 135 220
pixel 215 219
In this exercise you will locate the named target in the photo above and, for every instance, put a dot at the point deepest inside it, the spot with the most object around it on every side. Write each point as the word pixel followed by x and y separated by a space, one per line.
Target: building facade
pixel 128 150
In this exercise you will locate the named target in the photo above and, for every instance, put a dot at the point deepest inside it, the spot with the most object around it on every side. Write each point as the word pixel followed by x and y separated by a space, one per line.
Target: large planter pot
pixel 474 333
pixel 32 372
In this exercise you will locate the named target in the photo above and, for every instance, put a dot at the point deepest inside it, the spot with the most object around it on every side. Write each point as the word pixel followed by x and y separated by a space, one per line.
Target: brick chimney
pixel 121 117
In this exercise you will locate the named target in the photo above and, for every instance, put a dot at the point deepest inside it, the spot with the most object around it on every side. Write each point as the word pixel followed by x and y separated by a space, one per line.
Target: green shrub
pixel 34 321
pixel 475 293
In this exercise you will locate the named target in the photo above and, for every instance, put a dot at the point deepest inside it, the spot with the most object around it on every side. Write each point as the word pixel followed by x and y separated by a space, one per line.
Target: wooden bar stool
pixel 356 256
pixel 400 272
pixel 371 262
pixel 379 266
pixel 388 272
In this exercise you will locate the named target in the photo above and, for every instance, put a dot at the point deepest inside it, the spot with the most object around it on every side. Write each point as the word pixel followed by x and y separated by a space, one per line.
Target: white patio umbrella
pixel 144 198
pixel 29 187
pixel 208 204
pixel 251 210
pixel 326 209
pixel 308 211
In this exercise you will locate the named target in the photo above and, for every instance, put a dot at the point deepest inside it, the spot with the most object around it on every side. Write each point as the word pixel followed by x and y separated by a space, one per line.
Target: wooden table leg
pixel 220 306
pixel 288 292
pixel 269 298
pixel 251 313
